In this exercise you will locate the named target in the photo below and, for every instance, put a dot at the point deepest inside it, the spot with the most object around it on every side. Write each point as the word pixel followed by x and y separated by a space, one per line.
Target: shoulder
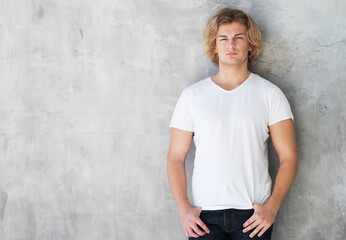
pixel 196 87
pixel 265 85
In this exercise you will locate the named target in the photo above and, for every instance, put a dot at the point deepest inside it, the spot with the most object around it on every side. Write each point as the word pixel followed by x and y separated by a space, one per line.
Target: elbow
pixel 295 166
pixel 291 162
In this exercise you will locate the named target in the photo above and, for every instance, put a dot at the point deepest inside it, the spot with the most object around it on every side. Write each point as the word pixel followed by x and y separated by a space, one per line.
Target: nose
pixel 231 44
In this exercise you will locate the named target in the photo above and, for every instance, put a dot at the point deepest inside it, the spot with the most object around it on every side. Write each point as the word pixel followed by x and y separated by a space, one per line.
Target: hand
pixel 262 219
pixel 190 221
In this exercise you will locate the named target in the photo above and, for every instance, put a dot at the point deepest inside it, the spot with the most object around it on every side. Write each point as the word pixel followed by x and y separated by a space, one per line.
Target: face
pixel 232 45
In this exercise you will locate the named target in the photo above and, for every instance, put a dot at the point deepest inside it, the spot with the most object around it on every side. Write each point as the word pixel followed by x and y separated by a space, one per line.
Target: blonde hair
pixel 227 15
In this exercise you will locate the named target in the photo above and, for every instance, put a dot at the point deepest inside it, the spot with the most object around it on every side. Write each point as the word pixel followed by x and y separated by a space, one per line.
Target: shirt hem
pixel 281 119
pixel 182 128
pixel 225 207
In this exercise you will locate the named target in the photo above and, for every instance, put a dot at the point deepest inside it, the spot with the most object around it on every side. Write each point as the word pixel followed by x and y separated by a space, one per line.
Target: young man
pixel 230 116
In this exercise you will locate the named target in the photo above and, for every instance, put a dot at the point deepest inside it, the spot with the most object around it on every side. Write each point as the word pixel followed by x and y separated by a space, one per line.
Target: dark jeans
pixel 227 224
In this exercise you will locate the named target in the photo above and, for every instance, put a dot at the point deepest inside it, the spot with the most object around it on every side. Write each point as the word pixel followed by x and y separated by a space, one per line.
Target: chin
pixel 232 62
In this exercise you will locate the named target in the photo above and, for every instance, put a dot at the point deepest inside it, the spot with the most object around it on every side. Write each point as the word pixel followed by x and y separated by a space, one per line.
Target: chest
pixel 230 108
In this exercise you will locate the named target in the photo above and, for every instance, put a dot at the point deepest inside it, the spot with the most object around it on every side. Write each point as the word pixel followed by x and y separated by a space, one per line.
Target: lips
pixel 231 53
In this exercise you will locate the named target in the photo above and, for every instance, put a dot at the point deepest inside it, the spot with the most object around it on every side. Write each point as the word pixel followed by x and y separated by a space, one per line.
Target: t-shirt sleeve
pixel 182 115
pixel 279 107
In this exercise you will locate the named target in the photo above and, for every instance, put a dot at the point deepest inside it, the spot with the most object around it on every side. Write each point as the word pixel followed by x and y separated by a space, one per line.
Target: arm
pixel 283 138
pixel 178 149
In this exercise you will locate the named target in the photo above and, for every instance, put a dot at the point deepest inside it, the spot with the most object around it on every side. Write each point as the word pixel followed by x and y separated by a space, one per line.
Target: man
pixel 230 116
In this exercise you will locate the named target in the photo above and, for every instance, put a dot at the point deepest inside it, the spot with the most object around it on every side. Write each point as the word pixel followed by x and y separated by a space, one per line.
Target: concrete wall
pixel 87 89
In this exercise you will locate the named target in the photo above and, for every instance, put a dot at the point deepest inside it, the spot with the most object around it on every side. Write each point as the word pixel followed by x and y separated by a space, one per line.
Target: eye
pixel 223 39
pixel 238 38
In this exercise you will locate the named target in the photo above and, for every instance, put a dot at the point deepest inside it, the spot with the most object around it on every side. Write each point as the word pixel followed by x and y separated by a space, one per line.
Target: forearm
pixel 177 181
pixel 283 182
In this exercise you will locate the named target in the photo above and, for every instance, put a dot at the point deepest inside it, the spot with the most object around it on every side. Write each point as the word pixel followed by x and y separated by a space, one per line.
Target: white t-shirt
pixel 231 137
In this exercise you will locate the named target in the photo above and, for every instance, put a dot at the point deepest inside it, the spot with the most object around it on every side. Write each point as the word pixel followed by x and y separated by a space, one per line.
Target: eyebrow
pixel 234 35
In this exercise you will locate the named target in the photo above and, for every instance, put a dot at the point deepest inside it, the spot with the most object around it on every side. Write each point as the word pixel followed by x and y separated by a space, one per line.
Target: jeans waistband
pixel 228 210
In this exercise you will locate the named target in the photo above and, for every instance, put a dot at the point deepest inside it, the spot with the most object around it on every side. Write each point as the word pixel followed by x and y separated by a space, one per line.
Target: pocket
pixel 240 216
pixel 244 213
pixel 211 216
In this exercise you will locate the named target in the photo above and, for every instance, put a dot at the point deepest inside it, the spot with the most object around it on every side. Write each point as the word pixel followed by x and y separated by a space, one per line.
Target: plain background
pixel 87 90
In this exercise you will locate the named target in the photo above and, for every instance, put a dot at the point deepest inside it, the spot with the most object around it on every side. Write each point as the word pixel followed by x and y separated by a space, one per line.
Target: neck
pixel 232 74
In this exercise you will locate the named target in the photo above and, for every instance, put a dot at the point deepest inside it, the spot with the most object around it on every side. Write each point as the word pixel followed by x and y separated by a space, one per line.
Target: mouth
pixel 231 54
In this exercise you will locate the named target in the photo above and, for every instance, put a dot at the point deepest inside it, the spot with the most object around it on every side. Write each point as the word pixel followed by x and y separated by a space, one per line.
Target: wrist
pixel 272 206
pixel 184 207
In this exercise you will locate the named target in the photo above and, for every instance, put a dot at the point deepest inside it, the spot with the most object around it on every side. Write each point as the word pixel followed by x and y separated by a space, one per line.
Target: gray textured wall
pixel 87 89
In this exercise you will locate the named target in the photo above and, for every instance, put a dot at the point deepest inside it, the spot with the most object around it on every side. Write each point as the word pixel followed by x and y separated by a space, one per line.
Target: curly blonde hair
pixel 227 15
